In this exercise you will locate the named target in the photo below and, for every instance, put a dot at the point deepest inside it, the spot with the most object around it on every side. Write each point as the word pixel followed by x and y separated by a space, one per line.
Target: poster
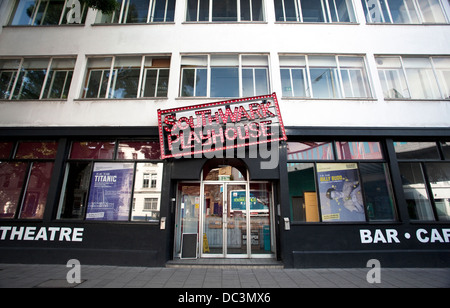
pixel 258 200
pixel 340 192
pixel 110 193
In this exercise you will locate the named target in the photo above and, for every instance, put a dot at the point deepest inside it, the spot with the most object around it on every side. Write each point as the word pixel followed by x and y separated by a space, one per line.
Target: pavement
pixel 99 276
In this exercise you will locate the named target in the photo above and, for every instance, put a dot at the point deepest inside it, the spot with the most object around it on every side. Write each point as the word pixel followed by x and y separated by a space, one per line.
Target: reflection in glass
pixel 137 150
pixel 224 82
pixel 260 213
pixel 92 150
pixel 147 192
pixel 378 194
pixel 31 79
pixel 76 186
pixel 35 197
pixel 5 150
pixel 359 150
pixel 37 150
pixel 419 206
pixel 213 218
pixel 12 177
pixel 310 151
pixel 416 150
pixel 237 235
pixel 224 10
pixel 325 83
pixel 439 178
pixel 126 77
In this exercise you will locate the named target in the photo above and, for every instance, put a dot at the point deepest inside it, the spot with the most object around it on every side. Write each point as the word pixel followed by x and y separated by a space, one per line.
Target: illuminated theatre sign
pixel 220 126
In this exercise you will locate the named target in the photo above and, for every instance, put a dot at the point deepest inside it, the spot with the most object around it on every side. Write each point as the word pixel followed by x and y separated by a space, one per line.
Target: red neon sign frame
pixel 220 126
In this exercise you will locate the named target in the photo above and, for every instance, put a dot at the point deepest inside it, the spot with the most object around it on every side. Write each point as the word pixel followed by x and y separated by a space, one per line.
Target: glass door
pixel 213 220
pixel 261 205
pixel 236 217
pixel 188 210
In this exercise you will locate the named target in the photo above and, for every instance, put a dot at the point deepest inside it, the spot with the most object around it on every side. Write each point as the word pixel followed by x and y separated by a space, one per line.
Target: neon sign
pixel 219 126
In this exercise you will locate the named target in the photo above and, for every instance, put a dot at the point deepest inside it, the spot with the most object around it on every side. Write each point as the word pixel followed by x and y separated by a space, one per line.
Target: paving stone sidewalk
pixel 54 276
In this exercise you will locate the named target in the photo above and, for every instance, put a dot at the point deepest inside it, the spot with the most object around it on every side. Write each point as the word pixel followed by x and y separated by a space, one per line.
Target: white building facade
pixel 363 89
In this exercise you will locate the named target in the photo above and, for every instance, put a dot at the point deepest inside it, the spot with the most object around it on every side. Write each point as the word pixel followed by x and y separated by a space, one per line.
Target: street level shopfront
pixel 337 197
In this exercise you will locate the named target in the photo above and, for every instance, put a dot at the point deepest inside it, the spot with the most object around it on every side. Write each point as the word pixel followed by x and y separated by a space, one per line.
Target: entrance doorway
pixel 230 216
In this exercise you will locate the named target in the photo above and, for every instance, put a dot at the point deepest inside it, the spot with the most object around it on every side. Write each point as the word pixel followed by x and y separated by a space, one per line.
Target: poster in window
pixel 340 192
pixel 110 193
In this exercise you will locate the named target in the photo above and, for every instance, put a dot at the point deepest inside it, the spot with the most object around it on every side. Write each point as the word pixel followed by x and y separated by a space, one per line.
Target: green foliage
pixel 106 6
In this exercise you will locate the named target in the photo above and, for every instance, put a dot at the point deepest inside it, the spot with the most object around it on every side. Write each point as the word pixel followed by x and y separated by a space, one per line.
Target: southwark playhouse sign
pixel 220 126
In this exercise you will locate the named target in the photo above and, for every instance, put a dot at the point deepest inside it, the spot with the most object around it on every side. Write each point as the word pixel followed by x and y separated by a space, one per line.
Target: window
pixel 224 75
pixel 426 179
pixel 140 11
pixel 314 11
pixel 99 181
pixel 47 12
pixel 127 77
pixel 348 184
pixel 317 76
pixel 414 77
pixel 224 10
pixel 404 11
pixel 34 78
pixel 25 178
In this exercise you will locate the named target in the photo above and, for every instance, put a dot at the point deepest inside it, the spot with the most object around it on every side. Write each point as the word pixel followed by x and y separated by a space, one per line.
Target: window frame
pixel 36 11
pixel 113 159
pixel 402 74
pixel 240 66
pixel 327 12
pixel 337 72
pixel 334 158
pixel 16 83
pixel 111 73
pixel 386 10
pixel 122 13
pixel 210 8
pixel 29 162
pixel 422 163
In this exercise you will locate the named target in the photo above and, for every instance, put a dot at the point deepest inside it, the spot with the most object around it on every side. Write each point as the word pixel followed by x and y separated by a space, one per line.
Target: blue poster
pixel 340 192
pixel 259 200
pixel 110 193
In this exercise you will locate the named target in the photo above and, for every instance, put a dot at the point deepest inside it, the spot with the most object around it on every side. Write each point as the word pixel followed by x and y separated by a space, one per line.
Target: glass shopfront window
pixel 106 181
pixel 25 178
pixel 426 179
pixel 324 188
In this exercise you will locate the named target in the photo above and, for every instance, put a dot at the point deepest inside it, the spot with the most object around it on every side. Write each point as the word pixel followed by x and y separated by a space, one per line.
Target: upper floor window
pixel 126 77
pixel 415 77
pixel 323 76
pixel 224 10
pixel 314 10
pixel 224 75
pixel 404 11
pixel 140 11
pixel 48 12
pixel 36 78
